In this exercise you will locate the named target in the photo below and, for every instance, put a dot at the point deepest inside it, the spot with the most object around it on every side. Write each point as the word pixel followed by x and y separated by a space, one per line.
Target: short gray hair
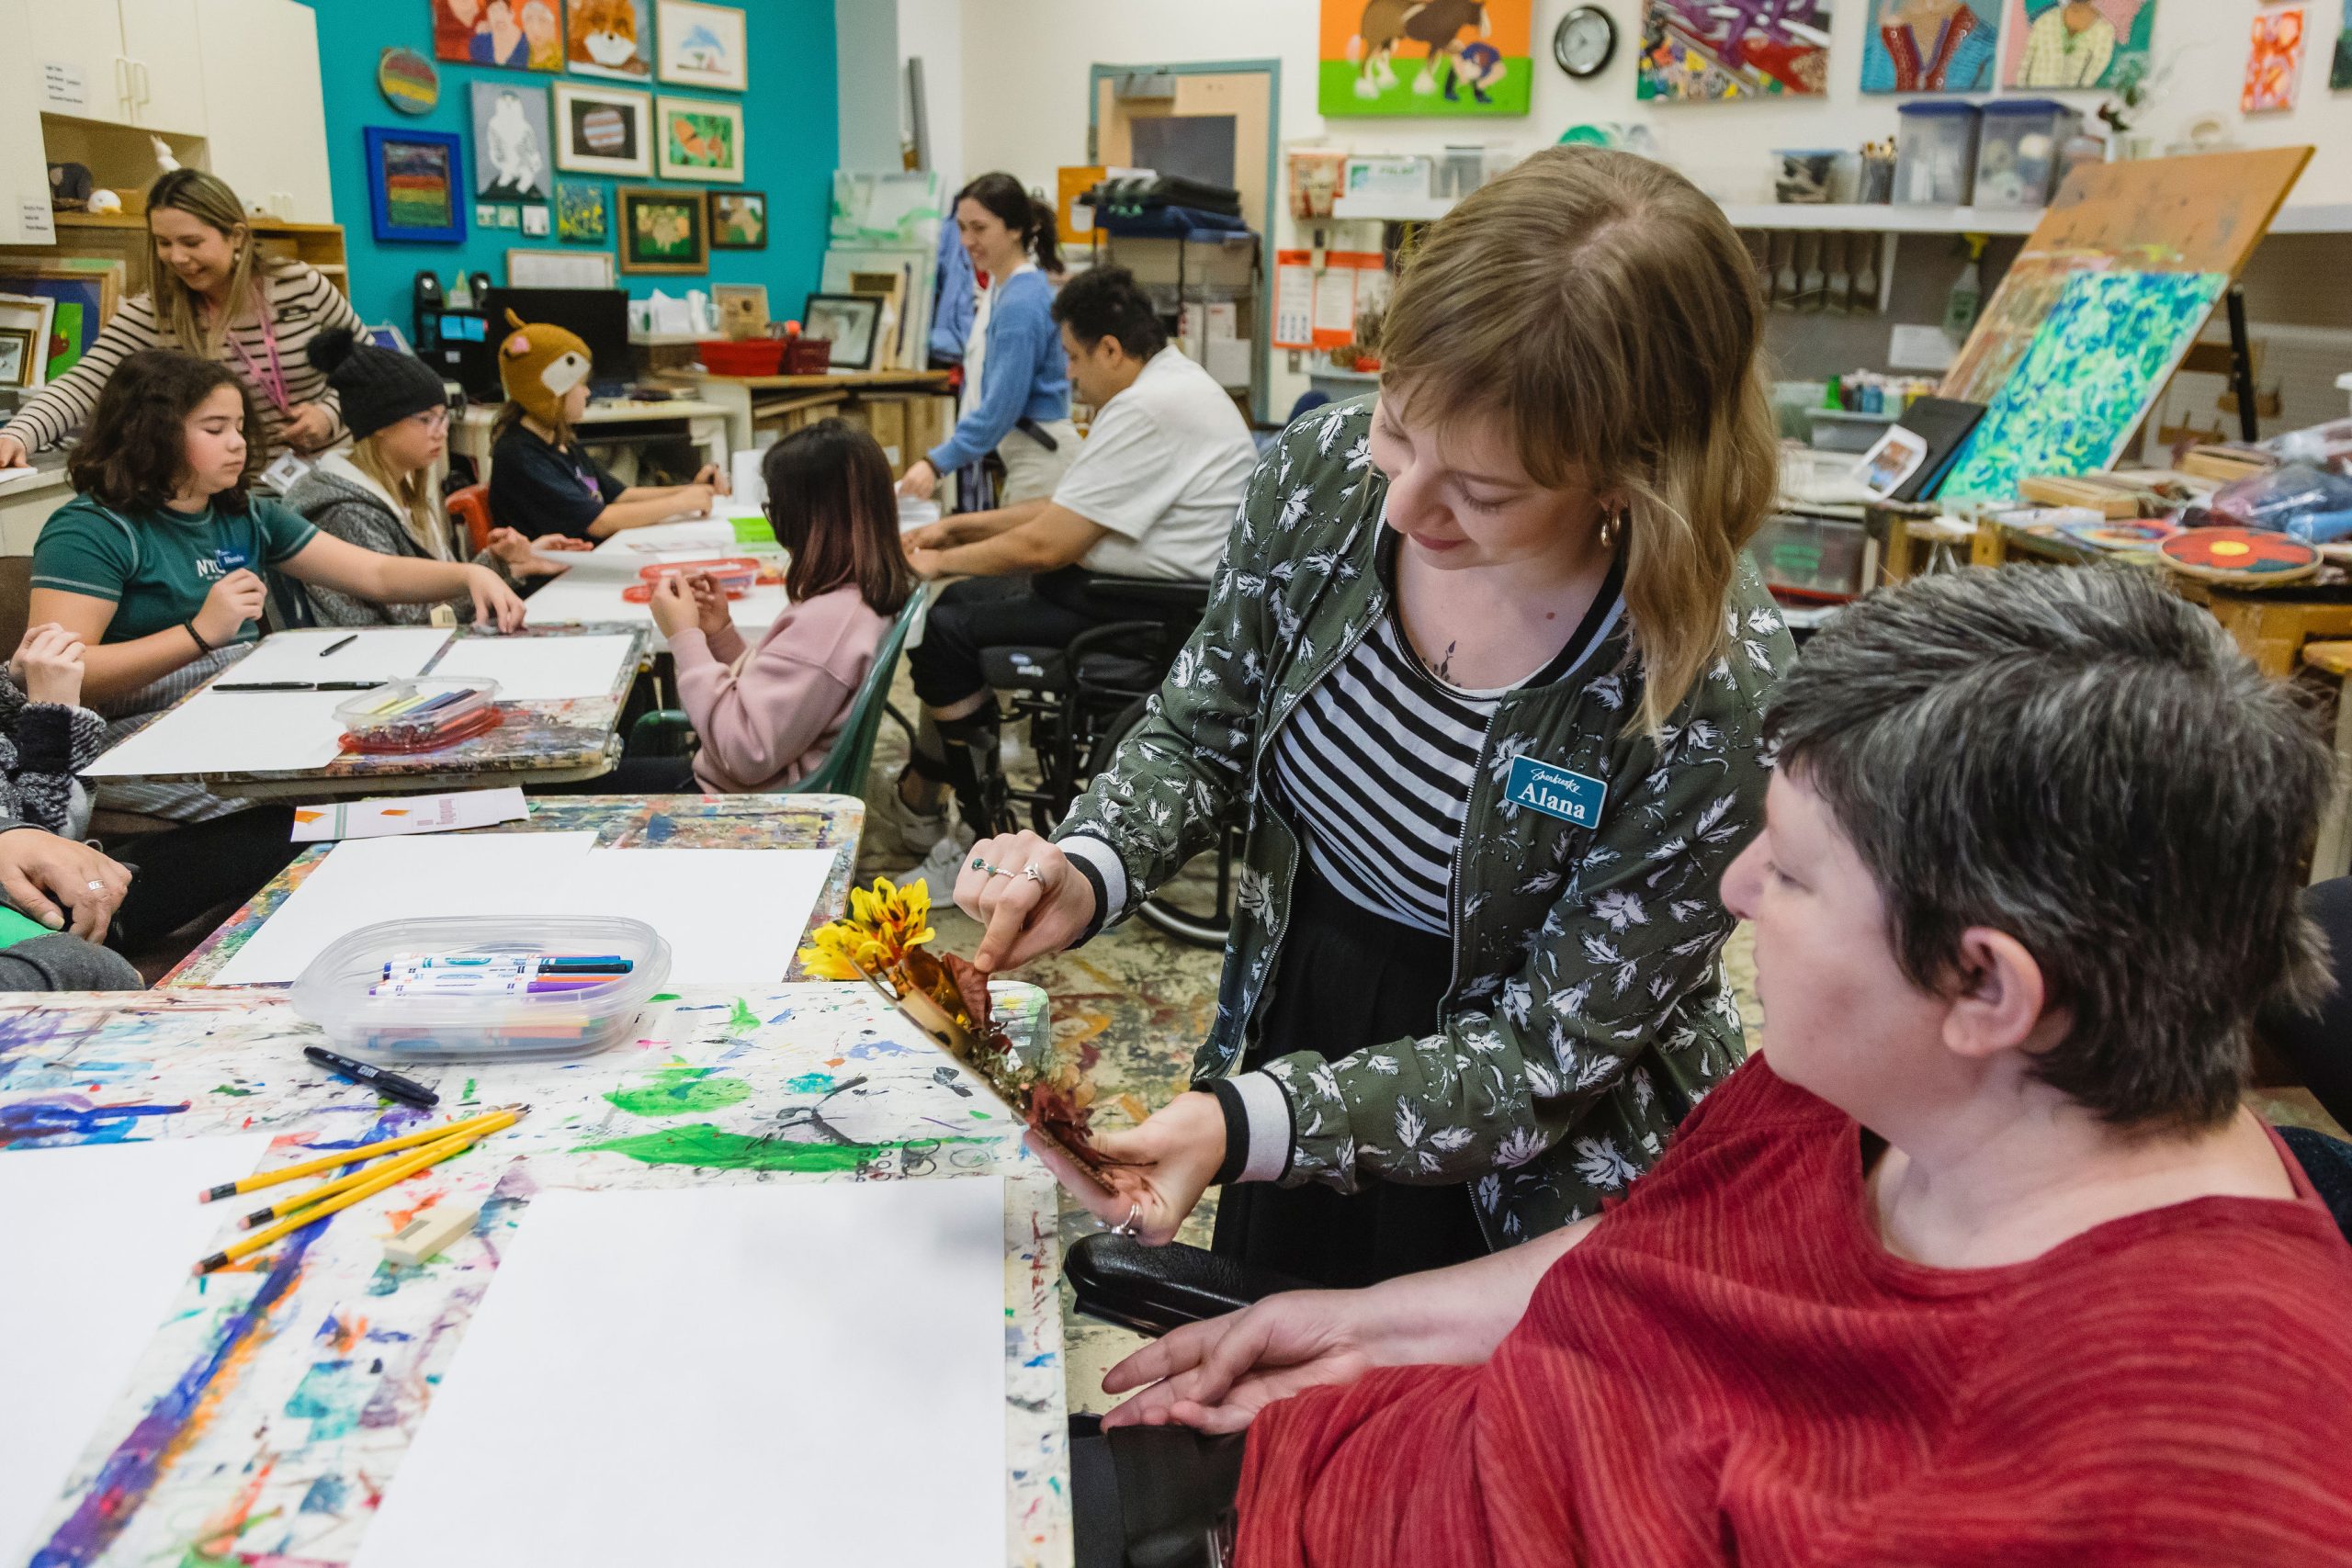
pixel 2082 761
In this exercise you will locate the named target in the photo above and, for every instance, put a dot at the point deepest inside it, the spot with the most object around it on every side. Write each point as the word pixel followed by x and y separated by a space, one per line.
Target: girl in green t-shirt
pixel 157 564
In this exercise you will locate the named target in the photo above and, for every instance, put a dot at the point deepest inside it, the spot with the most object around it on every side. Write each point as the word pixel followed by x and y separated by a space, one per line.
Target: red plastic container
pixel 752 356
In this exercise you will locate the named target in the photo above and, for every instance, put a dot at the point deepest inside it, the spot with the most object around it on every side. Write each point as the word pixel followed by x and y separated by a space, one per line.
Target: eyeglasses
pixel 435 420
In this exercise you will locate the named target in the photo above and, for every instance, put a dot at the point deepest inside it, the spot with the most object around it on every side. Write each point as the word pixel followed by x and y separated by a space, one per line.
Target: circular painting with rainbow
pixel 2251 558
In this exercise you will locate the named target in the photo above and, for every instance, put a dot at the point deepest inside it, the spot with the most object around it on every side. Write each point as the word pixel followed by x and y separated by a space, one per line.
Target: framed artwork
pixel 558 269
pixel 416 187
pixel 1453 58
pixel 739 219
pixel 2076 44
pixel 849 321
pixel 2339 76
pixel 2274 60
pixel 664 230
pixel 16 357
pixel 581 217
pixel 511 159
pixel 1707 51
pixel 522 35
pixel 702 46
pixel 1930 46
pixel 534 221
pixel 701 139
pixel 603 131
pixel 742 309
pixel 509 215
pixel 610 38
pixel 408 81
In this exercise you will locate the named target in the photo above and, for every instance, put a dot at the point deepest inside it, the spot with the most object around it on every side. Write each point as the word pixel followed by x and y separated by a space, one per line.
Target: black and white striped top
pixel 1378 761
pixel 302 304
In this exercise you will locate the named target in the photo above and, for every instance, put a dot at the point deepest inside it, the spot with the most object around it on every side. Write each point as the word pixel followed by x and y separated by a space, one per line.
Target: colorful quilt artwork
pixel 2095 368
pixel 1705 50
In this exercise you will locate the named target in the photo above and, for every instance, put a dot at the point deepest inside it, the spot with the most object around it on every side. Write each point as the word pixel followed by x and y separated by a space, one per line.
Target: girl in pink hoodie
pixel 768 713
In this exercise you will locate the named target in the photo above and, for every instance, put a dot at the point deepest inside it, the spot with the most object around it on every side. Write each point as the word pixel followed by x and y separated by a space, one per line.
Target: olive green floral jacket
pixel 1588 1010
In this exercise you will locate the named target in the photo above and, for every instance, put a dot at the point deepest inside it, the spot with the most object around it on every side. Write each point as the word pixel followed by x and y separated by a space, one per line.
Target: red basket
pixel 752 356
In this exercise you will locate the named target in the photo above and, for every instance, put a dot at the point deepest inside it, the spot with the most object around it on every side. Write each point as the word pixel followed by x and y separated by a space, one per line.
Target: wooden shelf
pixel 266 227
pixel 2315 217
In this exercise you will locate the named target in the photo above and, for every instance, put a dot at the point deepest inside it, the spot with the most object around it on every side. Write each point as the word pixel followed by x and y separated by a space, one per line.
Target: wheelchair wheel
pixel 1197 909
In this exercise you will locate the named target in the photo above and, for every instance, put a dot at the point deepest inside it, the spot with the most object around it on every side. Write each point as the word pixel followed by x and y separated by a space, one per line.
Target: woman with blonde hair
pixel 214 295
pixel 381 495
pixel 1483 675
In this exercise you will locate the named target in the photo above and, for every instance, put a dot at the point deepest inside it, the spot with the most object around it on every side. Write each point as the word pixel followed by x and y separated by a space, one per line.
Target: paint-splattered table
pixel 544 742
pixel 620 821
pixel 272 1410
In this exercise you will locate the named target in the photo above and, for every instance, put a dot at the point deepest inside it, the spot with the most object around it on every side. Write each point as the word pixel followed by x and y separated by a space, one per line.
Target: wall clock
pixel 1585 42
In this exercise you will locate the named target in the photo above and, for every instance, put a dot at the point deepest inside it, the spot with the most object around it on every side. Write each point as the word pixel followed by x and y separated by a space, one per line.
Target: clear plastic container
pixel 2017 151
pixel 1935 155
pixel 345 990
pixel 388 719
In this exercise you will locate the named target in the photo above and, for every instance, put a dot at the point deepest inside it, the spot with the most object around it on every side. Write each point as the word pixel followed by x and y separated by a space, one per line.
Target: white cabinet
pixel 120 62
pixel 24 165
pixel 266 122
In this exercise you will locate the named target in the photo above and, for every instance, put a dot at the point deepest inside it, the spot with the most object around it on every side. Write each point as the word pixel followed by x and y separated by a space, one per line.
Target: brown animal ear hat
pixel 538 364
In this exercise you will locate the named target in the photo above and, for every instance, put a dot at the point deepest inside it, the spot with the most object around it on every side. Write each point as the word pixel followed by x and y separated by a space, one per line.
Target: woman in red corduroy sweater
pixel 1984 1262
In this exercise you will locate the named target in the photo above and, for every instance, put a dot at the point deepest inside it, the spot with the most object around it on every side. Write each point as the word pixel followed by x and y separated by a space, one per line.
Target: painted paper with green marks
pixel 681 1091
pixel 2095 369
pixel 707 1147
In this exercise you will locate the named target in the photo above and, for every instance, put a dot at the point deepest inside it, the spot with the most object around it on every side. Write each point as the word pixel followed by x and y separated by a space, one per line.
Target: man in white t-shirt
pixel 1152 494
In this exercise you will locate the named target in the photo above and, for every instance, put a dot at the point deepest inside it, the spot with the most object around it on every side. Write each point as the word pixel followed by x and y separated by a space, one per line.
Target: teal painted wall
pixel 791 136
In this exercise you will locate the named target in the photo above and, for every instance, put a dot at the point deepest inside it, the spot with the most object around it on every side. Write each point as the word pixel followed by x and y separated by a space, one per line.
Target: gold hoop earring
pixel 1614 526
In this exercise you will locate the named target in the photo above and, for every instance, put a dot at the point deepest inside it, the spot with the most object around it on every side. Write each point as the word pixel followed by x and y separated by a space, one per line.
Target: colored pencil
pixel 352 1156
pixel 399 1171
pixel 478 1128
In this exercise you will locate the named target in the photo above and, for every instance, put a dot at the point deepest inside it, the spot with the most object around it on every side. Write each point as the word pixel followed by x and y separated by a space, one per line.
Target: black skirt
pixel 1349 979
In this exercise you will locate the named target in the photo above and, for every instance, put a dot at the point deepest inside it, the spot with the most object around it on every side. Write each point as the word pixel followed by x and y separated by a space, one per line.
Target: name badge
pixel 231 560
pixel 1556 791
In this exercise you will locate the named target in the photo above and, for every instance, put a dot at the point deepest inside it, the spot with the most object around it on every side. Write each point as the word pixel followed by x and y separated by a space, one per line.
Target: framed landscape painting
pixel 702 46
pixel 701 139
pixel 739 219
pixel 664 230
pixel 582 215
pixel 416 187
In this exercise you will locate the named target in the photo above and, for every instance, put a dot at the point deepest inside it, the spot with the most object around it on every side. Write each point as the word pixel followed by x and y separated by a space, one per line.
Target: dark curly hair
pixel 134 455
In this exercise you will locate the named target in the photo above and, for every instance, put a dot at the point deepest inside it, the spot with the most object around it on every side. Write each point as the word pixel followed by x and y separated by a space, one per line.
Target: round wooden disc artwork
pixel 2250 558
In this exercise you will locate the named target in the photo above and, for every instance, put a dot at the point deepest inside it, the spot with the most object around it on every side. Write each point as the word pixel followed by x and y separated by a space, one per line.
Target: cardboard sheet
pixel 783 1372
pixel 100 1238
pixel 537 668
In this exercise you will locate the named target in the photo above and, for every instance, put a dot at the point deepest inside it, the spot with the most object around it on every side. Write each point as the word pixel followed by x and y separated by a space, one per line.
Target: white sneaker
pixel 941 867
pixel 906 830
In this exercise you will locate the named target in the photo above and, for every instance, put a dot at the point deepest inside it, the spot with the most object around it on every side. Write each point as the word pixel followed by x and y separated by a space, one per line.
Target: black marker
pixel 389 1085
pixel 338 646
pixel 297 685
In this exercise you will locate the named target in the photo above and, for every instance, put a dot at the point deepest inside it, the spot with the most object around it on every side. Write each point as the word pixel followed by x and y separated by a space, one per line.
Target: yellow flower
pixel 884 923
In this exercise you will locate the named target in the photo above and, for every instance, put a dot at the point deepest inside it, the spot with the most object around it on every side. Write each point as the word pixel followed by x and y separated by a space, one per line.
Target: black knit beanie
pixel 378 386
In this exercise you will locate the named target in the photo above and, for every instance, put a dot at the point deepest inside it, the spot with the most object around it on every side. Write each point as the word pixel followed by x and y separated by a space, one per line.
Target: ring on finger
pixel 1030 874
pixel 96 886
pixel 1129 1226
pixel 979 865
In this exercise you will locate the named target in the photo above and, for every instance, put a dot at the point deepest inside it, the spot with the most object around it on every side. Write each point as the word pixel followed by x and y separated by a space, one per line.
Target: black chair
pixel 1081 701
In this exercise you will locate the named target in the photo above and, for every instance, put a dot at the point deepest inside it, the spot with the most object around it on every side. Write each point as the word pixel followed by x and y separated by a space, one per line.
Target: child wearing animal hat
pixel 541 482
pixel 381 495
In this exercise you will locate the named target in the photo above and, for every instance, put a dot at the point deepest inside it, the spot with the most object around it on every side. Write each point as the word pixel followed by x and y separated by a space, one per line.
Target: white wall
pixel 1026 84
pixel 932 31
pixel 866 47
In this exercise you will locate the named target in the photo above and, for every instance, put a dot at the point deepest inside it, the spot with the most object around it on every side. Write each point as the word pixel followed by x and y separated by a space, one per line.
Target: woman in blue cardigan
pixel 1016 376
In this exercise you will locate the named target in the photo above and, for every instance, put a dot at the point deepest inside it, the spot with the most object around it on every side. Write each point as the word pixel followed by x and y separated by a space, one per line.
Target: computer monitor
pixel 600 317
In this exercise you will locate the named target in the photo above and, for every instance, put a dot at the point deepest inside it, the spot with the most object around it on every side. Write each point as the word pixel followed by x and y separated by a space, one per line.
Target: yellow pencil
pixel 348 1156
pixel 475 1128
pixel 383 1177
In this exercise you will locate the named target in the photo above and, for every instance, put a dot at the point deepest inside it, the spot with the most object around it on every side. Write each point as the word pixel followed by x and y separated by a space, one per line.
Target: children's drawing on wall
pixel 610 38
pixel 524 35
pixel 1425 57
pixel 512 160
pixel 1706 50
pixel 2274 60
pixel 1930 46
pixel 2076 44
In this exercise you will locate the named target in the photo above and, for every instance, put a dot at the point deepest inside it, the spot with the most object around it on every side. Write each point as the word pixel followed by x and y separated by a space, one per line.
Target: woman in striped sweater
pixel 215 296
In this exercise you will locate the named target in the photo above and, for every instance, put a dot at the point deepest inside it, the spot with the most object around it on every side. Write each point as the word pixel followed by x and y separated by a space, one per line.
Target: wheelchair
pixel 1082 701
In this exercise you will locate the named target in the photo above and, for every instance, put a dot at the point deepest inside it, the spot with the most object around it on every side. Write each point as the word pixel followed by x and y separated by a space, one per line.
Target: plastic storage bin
pixel 1813 557
pixel 346 993
pixel 419 714
pixel 1935 155
pixel 2017 148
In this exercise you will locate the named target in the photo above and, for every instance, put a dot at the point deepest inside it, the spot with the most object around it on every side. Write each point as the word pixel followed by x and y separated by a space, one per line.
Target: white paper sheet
pixel 232 732
pixel 589 599
pixel 537 668
pixel 379 653
pixel 787 1372
pixel 408 814
pixel 371 880
pixel 100 1238
pixel 731 917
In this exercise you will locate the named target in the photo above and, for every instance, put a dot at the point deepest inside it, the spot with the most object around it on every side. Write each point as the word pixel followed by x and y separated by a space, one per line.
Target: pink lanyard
pixel 272 384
